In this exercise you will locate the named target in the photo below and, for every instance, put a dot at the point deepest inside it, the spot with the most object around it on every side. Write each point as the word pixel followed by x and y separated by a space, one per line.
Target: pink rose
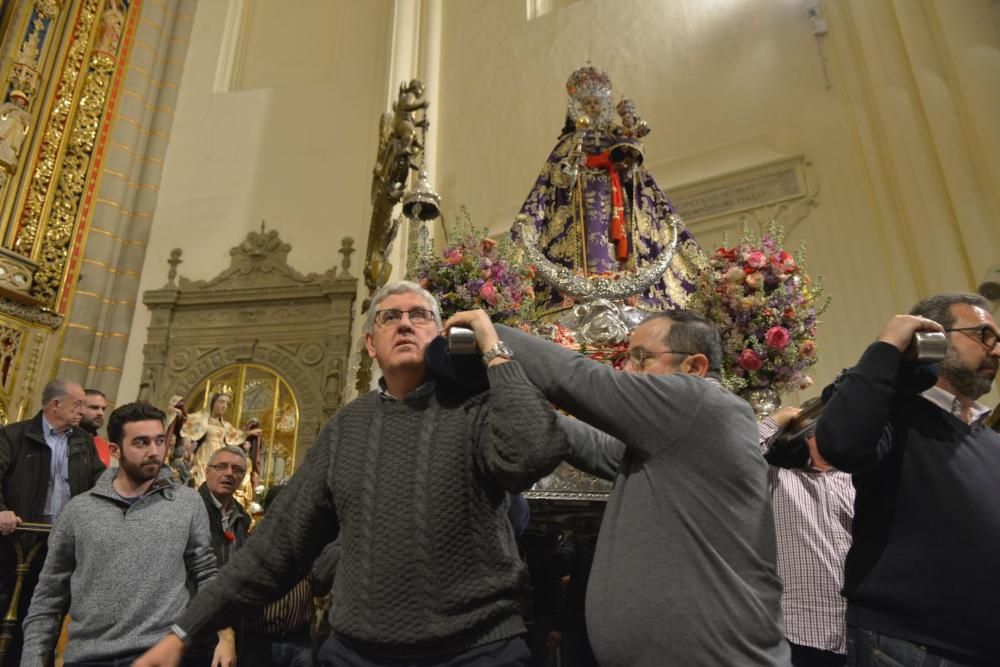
pixel 488 293
pixel 756 260
pixel 755 280
pixel 735 275
pixel 453 257
pixel 777 338
pixel 807 349
pixel 750 360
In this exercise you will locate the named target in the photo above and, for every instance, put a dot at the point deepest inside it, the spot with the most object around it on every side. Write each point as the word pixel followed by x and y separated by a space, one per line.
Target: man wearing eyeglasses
pixel 229 526
pixel 413 482
pixel 685 567
pixel 921 579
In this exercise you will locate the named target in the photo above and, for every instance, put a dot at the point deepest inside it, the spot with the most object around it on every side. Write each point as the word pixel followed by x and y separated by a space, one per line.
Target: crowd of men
pixel 706 554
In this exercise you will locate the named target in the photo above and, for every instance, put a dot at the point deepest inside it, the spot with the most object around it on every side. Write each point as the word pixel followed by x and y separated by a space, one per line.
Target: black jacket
pixel 25 465
pixel 223 547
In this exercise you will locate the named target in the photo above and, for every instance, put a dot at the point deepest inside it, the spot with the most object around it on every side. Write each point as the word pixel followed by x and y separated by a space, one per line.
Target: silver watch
pixel 499 349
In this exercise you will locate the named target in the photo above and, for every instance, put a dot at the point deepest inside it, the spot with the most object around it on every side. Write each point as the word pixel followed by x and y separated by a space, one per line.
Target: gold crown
pixel 222 389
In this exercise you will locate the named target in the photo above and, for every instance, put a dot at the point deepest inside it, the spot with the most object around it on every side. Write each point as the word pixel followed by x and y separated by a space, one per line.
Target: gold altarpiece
pixel 278 340
pixel 72 74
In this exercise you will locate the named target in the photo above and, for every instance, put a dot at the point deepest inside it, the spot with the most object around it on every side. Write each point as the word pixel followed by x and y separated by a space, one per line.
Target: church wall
pixel 895 133
pixel 292 144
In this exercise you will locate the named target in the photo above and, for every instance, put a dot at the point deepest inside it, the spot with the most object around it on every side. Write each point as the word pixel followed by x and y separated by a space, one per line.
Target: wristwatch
pixel 499 349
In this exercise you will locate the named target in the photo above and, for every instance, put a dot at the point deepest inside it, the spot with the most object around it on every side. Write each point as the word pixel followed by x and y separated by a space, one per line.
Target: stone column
pixel 104 302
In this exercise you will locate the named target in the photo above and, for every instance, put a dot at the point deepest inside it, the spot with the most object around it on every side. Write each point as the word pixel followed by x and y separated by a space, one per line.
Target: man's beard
pixel 138 473
pixel 966 381
pixel 89 426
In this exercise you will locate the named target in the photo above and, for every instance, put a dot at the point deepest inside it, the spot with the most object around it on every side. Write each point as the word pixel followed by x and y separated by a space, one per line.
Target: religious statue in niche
pixel 209 431
pixel 595 208
pixel 14 125
pixel 112 23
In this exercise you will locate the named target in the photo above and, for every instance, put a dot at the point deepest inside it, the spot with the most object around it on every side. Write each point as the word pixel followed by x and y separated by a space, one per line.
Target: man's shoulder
pixel 17 430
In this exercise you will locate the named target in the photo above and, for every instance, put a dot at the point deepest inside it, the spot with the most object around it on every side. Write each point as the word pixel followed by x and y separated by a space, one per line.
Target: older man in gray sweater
pixel 120 555
pixel 684 572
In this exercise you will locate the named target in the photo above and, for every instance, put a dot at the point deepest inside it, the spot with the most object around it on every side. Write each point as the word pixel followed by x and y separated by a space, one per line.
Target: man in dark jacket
pixel 44 461
pixel 228 524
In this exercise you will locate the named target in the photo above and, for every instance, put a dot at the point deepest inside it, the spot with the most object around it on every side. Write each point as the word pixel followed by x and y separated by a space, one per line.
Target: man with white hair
pixel 413 482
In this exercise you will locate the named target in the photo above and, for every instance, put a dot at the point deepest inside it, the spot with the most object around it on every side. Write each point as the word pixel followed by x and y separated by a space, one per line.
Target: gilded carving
pixel 39 186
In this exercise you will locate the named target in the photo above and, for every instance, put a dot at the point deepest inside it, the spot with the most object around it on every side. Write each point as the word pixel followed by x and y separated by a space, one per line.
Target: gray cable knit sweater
pixel 415 489
pixel 122 569
pixel 684 572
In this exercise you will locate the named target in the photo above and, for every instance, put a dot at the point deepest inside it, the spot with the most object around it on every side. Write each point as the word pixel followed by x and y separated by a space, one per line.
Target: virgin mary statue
pixel 596 209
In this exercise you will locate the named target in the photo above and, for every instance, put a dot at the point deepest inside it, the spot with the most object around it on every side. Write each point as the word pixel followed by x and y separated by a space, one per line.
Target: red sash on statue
pixel 617 229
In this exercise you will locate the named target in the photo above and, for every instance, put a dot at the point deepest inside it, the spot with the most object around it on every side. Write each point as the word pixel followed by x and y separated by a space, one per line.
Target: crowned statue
pixel 598 213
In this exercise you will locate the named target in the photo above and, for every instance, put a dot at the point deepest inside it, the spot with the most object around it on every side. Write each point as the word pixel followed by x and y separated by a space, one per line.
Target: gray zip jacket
pixel 122 569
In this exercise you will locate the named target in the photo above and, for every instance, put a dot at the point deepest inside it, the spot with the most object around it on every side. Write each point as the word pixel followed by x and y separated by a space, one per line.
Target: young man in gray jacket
pixel 121 554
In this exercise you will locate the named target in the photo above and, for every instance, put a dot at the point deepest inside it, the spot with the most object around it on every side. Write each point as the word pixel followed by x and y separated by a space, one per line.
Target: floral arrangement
pixel 766 308
pixel 474 271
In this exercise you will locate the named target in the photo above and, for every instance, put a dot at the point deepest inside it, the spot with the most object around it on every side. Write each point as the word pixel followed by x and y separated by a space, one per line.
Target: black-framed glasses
pixel 640 357
pixel 239 471
pixel 388 317
pixel 987 337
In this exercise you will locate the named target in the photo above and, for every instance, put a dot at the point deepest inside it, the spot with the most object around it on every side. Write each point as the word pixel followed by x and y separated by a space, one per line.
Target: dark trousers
pixel 513 652
pixel 120 661
pixel 866 648
pixel 8 577
pixel 807 656
pixel 268 652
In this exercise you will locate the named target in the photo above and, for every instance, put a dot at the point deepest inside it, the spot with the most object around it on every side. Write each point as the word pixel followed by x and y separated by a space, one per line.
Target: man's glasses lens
pixel 391 316
pixel 985 335
pixel 223 467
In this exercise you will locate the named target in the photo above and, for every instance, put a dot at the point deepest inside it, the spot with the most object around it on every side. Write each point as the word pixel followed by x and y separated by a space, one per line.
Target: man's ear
pixel 695 364
pixel 114 450
pixel 369 345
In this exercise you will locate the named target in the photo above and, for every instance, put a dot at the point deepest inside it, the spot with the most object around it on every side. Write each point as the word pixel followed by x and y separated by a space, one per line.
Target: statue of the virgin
pixel 596 209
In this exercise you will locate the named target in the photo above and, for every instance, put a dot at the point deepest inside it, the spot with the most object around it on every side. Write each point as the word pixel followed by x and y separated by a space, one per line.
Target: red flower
pixel 783 261
pixel 777 338
pixel 750 360
pixel 230 536
pixel 488 244
pixel 726 253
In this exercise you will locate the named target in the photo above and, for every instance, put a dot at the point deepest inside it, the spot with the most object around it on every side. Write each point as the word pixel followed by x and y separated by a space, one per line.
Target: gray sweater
pixel 122 569
pixel 684 572
pixel 415 489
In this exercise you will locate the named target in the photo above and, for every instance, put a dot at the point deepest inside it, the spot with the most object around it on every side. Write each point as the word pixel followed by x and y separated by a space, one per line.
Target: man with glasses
pixel 684 571
pixel 44 461
pixel 413 482
pixel 228 524
pixel 921 579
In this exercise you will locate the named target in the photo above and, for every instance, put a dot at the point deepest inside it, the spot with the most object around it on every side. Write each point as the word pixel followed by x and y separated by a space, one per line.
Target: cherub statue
pixel 14 125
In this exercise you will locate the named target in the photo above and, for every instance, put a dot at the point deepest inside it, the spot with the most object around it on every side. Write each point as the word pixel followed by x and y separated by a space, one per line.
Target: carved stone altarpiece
pixel 258 311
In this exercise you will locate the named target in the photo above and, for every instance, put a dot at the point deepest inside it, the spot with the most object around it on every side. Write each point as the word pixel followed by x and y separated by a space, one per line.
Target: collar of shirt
pixel 945 400
pixel 48 430
pixel 228 516
pixel 384 392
